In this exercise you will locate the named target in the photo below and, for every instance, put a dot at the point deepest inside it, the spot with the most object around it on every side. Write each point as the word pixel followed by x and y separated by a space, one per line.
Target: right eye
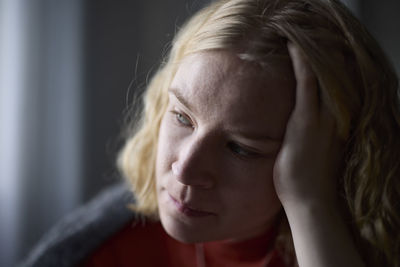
pixel 182 119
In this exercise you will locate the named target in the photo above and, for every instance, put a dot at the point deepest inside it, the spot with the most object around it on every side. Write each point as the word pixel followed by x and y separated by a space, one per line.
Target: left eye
pixel 241 151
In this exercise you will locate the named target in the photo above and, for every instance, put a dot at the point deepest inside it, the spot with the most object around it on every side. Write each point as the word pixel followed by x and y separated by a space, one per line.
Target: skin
pixel 216 152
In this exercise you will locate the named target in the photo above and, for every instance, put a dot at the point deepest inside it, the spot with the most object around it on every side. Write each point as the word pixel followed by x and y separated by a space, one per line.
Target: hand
pixel 306 167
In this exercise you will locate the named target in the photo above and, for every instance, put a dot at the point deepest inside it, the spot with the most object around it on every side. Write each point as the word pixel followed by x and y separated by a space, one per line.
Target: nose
pixel 196 163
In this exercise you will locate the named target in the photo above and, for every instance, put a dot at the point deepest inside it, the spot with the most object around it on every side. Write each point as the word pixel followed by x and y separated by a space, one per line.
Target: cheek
pixel 255 186
pixel 253 198
pixel 261 200
pixel 164 152
pixel 253 175
pixel 168 145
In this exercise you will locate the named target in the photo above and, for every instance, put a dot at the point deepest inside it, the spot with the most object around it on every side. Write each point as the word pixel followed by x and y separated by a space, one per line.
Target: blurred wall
pixel 382 18
pixel 40 118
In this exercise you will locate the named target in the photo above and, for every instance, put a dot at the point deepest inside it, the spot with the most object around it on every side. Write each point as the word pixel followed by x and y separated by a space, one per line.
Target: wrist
pixel 321 226
pixel 314 209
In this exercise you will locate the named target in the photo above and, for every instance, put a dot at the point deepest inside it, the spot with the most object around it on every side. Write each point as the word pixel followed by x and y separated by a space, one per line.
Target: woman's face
pixel 217 145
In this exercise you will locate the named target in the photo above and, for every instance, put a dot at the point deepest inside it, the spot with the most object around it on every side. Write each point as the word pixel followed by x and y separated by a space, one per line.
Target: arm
pixel 305 177
pixel 321 237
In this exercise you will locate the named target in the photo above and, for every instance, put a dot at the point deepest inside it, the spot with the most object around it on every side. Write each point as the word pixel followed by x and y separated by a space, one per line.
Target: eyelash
pixel 234 147
pixel 241 151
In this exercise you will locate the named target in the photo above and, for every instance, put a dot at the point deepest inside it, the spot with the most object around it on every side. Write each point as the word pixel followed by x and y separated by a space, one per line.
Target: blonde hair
pixel 356 81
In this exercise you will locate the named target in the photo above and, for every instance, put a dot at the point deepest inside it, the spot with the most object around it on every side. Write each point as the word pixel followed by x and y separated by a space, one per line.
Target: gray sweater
pixel 75 237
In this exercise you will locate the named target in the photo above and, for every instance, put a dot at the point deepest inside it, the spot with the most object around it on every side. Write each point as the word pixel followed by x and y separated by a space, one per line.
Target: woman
pixel 270 106
pixel 269 137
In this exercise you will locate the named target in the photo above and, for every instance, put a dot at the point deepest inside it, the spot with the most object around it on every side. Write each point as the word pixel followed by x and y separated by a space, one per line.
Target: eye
pixel 182 119
pixel 241 151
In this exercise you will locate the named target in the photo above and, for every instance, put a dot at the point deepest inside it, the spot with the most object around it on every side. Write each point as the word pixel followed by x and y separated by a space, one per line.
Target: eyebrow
pixel 257 136
pixel 180 98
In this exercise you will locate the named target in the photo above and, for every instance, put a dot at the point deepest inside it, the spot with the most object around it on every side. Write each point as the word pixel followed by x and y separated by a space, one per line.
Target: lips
pixel 189 211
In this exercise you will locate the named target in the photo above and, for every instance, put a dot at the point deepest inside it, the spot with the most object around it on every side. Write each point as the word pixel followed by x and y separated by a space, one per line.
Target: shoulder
pixel 81 232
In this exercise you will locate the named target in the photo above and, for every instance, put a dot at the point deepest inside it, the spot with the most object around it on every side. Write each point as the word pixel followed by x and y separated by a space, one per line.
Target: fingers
pixel 309 110
pixel 307 101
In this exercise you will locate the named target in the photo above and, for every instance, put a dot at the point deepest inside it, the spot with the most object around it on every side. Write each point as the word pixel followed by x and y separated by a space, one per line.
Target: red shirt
pixel 148 244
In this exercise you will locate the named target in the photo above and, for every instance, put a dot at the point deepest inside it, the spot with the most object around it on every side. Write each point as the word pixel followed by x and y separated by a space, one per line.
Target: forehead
pixel 223 89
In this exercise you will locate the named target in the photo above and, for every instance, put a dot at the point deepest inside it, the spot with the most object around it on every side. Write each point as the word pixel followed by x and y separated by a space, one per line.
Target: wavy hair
pixel 356 81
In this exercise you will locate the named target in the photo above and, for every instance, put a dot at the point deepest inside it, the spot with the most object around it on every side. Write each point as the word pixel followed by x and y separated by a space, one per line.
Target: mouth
pixel 189 211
